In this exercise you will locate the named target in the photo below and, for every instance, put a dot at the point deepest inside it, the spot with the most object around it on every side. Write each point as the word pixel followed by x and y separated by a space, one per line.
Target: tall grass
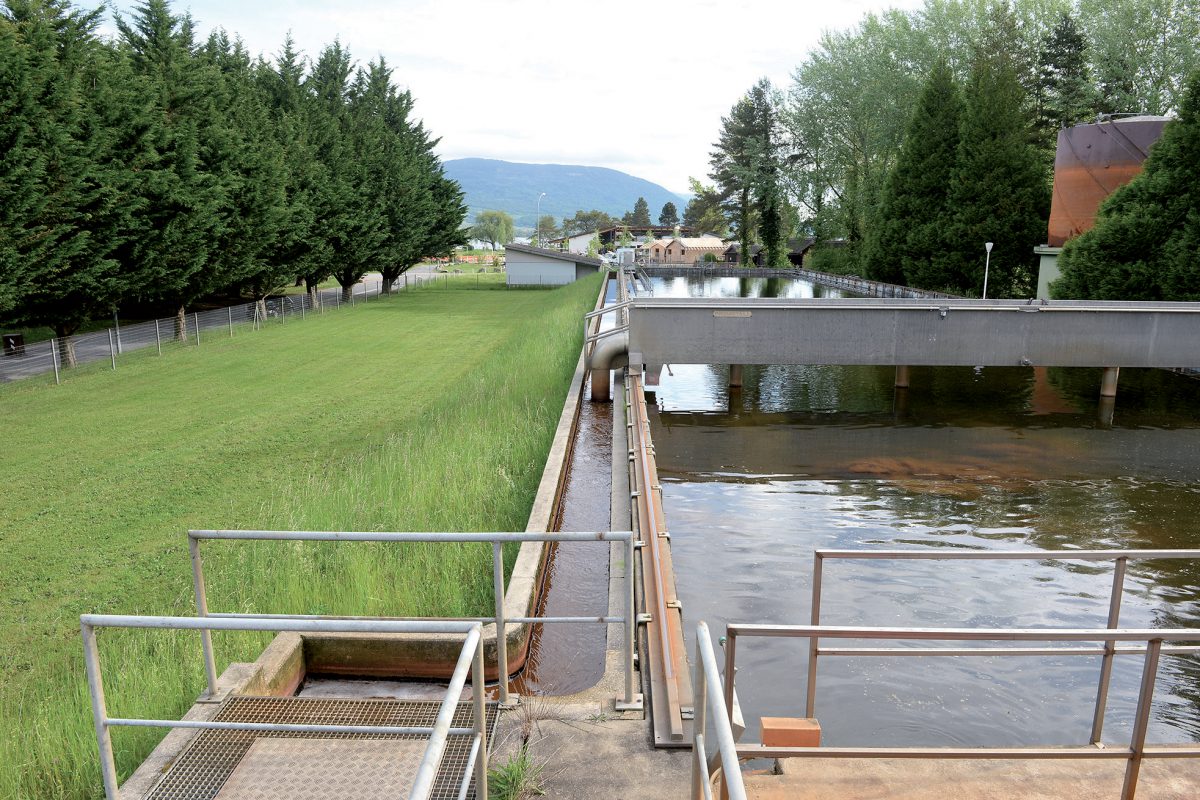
pixel 432 410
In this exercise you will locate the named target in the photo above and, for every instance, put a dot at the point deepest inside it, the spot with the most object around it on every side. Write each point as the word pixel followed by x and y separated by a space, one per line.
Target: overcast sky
pixel 635 86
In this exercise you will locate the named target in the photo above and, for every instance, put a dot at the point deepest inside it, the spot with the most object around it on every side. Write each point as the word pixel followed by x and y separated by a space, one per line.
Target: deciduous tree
pixel 493 227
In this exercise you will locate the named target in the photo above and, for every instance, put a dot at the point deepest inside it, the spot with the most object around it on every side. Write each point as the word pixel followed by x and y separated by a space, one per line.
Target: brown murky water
pixel 834 457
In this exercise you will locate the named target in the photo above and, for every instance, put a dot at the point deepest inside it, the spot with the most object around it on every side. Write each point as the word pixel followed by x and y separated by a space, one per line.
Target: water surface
pixel 806 457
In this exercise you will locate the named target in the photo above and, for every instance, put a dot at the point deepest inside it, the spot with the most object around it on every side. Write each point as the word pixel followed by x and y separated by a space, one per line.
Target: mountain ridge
pixel 513 187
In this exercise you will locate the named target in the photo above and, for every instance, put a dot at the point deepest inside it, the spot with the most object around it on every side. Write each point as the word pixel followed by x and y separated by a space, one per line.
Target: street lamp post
pixel 986 265
pixel 539 219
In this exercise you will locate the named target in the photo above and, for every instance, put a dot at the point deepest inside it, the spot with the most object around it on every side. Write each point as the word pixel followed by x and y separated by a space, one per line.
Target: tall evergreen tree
pixel 1146 241
pixel 733 165
pixel 72 212
pixel 916 204
pixel 998 191
pixel 669 214
pixel 641 213
pixel 183 190
pixel 1067 95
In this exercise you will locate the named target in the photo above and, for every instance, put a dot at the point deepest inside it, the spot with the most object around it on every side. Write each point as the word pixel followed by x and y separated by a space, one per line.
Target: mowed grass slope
pixel 433 410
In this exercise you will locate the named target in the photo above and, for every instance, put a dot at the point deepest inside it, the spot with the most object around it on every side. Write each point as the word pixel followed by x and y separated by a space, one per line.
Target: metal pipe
pixel 297 625
pixel 158 337
pixel 630 621
pixel 477 690
pixel 54 360
pixel 1114 617
pixel 731 773
pixel 423 782
pixel 283 727
pixel 91 658
pixel 465 785
pixel 968 634
pixel 991 555
pixel 997 651
pixel 699 721
pixel 112 352
pixel 501 631
pixel 810 700
pixel 198 587
pixel 515 620
pixel 196 320
pixel 229 312
pixel 1141 720
pixel 750 750
pixel 368 536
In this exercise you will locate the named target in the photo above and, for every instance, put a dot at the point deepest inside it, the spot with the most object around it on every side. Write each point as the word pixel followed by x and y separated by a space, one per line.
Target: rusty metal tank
pixel 1091 162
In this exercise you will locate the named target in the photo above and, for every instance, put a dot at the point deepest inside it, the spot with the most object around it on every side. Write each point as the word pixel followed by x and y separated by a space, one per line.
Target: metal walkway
pixel 267 764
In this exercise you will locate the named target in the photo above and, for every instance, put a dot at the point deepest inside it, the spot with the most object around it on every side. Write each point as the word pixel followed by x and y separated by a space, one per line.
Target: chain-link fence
pixel 20 360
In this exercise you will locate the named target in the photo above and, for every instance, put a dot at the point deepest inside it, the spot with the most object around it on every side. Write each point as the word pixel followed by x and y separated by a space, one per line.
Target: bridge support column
pixel 735 376
pixel 1108 406
pixel 601 384
pixel 1108 383
pixel 902 376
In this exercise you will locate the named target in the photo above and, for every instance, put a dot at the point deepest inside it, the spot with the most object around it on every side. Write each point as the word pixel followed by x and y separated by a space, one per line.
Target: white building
pixel 536 266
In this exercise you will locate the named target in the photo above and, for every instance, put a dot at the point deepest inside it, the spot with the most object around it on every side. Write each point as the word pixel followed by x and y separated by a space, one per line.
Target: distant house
pixel 685 250
pixel 611 237
pixel 538 266
pixel 797 249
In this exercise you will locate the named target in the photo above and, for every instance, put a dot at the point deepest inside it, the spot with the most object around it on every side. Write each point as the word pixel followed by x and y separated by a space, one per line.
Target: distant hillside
pixel 512 187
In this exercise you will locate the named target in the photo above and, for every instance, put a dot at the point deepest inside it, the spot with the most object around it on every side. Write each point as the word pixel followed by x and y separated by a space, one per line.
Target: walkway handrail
pixel 1121 559
pixel 710 701
pixel 497 540
pixel 1154 639
pixel 470 660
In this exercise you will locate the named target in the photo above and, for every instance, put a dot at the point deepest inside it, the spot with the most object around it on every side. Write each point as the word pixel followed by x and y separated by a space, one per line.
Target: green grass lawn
pixel 431 410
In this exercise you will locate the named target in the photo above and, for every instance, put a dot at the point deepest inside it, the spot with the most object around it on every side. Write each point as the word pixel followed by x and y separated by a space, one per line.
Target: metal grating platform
pixel 207 763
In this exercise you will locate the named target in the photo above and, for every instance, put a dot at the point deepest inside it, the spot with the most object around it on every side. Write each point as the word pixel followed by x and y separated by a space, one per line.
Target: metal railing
pixel 1121 559
pixel 707 701
pixel 470 660
pixel 1137 750
pixel 497 540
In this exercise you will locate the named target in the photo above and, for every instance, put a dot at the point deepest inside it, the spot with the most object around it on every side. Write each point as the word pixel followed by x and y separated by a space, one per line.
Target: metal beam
pixel 942 332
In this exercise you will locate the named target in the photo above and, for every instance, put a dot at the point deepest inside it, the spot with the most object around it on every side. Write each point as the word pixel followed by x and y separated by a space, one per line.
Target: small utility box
pixel 14 344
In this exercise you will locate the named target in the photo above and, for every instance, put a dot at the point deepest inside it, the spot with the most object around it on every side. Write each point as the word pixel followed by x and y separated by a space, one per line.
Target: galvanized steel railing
pixel 1134 754
pixel 708 701
pixel 497 540
pixel 1121 559
pixel 470 660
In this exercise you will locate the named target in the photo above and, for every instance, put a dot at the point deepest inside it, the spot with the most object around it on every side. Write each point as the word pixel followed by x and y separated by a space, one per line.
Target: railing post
pixel 1110 648
pixel 501 630
pixel 1141 721
pixel 54 359
pixel 810 701
pixel 229 311
pixel 91 658
pixel 210 663
pixel 196 320
pixel 477 687
pixel 112 351
pixel 699 720
pixel 630 624
pixel 158 337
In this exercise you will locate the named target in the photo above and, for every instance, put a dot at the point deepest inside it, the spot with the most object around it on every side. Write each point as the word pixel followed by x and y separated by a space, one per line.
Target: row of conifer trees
pixel 157 169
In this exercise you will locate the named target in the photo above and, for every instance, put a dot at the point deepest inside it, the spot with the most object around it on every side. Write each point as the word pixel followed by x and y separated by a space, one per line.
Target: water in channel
pixel 807 457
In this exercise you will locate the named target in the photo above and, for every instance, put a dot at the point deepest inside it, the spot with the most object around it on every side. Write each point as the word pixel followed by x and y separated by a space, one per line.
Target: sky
pixel 636 86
